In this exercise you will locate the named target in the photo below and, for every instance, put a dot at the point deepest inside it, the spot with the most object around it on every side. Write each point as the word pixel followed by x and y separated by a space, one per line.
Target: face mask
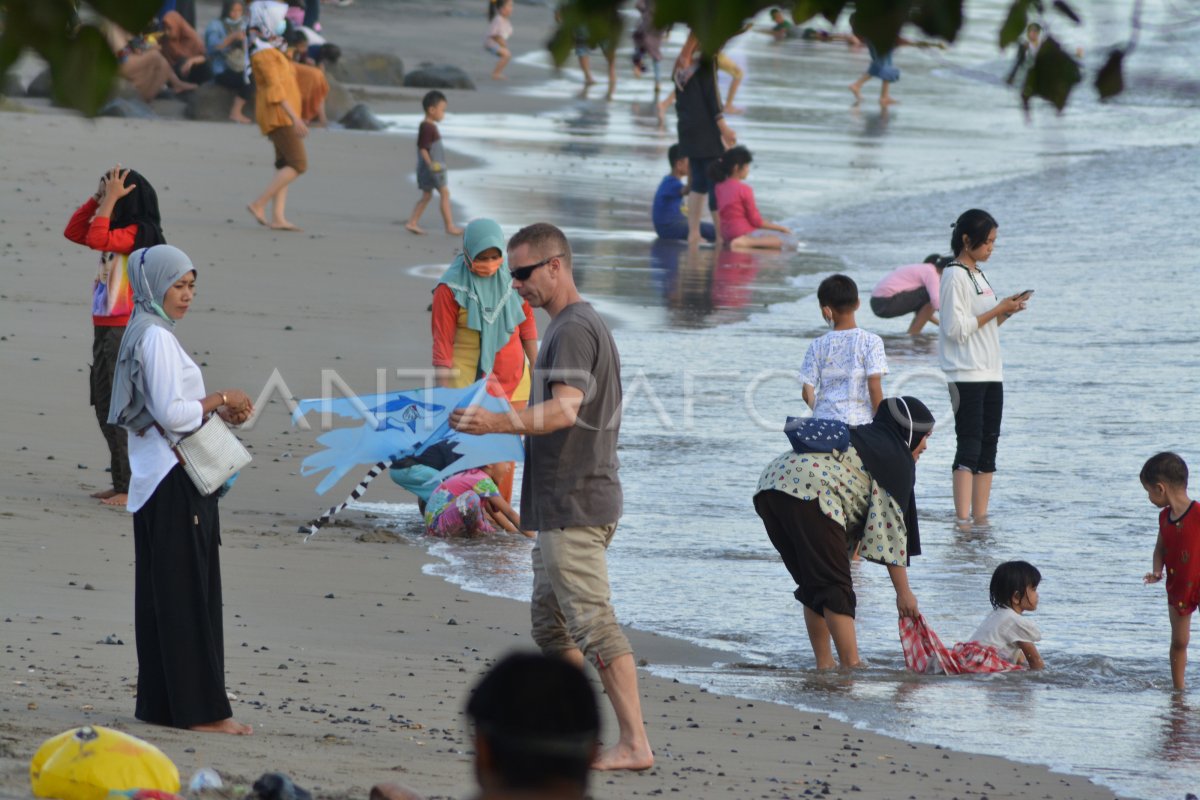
pixel 281 27
pixel 231 22
pixel 485 270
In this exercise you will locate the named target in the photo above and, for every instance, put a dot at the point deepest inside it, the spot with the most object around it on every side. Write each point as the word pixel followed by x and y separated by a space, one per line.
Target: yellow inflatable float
pixel 87 763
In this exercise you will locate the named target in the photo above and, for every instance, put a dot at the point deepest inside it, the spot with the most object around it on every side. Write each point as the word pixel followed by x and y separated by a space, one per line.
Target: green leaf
pixel 84 71
pixel 1110 81
pixel 1014 25
pixel 132 15
pixel 1053 74
pixel 940 18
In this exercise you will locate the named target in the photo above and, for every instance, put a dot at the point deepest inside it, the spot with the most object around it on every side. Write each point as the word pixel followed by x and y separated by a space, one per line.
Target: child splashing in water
pixel 741 224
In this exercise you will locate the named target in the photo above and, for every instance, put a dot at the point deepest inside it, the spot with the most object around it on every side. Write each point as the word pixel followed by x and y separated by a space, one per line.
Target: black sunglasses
pixel 522 273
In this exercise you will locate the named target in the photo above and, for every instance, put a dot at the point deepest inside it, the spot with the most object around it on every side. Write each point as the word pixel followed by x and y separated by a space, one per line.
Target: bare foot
pixel 241 119
pixel 183 86
pixel 228 725
pixel 454 230
pixel 622 756
pixel 887 101
pixel 496 77
pixel 857 93
pixel 589 81
pixel 116 499
pixel 412 227
pixel 257 213
pixel 284 225
pixel 107 493
pixel 734 110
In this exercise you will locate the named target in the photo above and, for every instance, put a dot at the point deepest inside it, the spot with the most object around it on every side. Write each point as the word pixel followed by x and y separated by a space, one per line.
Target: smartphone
pixel 1025 295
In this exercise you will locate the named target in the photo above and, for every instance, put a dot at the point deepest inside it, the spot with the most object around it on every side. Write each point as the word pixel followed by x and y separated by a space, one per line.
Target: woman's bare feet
pixel 115 499
pixel 412 227
pixel 228 725
pixel 104 495
pixel 258 215
pixel 454 230
pixel 284 225
pixel 621 756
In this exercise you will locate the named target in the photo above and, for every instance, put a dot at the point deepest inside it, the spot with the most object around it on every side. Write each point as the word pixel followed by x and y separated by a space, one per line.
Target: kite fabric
pixel 403 425
pixel 925 653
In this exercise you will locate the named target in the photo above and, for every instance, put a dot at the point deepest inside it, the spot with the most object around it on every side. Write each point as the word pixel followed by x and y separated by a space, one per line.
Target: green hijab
pixel 494 309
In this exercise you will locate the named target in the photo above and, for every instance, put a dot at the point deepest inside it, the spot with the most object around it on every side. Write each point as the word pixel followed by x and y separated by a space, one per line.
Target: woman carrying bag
pixel 159 397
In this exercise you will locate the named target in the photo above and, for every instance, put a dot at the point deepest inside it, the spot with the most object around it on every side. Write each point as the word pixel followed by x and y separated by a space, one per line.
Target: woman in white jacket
pixel 969 349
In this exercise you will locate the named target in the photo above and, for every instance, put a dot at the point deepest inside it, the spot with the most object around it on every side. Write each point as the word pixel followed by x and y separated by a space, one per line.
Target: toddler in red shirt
pixel 1164 477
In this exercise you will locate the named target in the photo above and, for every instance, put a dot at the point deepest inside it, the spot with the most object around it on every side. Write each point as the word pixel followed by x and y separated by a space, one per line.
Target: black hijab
pixel 885 447
pixel 139 207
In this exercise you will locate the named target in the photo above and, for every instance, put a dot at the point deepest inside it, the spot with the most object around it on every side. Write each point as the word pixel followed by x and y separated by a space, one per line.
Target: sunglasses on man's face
pixel 522 273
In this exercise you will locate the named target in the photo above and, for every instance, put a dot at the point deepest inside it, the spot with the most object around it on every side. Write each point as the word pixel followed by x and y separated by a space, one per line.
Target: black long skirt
pixel 177 606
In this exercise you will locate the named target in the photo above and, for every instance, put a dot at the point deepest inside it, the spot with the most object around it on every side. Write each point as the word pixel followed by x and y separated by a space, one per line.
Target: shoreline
pixel 689 727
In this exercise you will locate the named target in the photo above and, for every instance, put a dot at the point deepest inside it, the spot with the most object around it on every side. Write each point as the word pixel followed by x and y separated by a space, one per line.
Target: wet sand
pixel 351 664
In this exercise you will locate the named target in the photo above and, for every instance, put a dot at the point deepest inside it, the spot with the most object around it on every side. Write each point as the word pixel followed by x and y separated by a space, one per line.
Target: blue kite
pixel 398 429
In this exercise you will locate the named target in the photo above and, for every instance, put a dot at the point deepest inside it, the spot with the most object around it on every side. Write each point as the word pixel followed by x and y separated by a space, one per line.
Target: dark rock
pixel 439 76
pixel 360 118
pixel 211 103
pixel 127 109
pixel 378 69
pixel 338 102
pixel 41 86
pixel 277 786
pixel 12 86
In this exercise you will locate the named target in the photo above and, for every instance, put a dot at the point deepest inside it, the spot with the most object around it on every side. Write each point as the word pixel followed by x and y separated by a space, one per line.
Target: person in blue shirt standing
pixel 670 221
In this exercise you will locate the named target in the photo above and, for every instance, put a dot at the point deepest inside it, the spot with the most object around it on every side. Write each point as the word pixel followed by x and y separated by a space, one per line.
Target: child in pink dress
pixel 468 505
pixel 740 223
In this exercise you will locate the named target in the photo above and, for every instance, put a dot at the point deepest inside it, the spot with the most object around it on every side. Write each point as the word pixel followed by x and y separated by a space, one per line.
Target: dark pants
pixel 106 344
pixel 678 229
pixel 235 80
pixel 197 73
pixel 312 13
pixel 813 548
pixel 177 606
pixel 977 424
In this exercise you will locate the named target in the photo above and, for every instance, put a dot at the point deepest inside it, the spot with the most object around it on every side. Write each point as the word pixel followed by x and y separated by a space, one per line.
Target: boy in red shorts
pixel 1164 477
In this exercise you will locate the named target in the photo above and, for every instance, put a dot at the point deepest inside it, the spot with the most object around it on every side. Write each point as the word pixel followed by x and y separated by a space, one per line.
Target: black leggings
pixel 978 408
pixel 235 80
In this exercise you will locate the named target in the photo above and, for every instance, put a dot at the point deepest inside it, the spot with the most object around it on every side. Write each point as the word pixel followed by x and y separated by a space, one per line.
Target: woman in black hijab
pixel 817 507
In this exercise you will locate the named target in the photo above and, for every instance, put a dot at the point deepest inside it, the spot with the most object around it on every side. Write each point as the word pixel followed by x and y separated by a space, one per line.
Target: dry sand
pixel 350 663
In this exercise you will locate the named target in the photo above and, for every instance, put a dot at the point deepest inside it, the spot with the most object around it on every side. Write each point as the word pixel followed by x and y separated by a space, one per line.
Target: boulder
pixel 127 109
pixel 439 76
pixel 338 102
pixel 360 118
pixel 378 69
pixel 41 86
pixel 211 103
pixel 12 86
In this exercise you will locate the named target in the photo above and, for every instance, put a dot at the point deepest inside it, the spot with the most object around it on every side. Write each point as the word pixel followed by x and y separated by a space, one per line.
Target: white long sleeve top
pixel 174 391
pixel 968 353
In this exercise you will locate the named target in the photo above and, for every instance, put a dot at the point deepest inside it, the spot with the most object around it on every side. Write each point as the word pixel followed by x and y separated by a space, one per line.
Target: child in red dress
pixel 1164 477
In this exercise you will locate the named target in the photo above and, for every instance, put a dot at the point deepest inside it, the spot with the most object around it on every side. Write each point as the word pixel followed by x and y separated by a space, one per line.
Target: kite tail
pixel 359 490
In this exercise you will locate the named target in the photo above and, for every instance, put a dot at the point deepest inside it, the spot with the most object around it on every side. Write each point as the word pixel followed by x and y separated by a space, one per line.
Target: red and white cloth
pixel 925 653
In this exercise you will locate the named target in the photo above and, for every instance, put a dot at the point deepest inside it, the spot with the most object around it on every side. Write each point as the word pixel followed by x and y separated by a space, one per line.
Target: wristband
pixel 224 400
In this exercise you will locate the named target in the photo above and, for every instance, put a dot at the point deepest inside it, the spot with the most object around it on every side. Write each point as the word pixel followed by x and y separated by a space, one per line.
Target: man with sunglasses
pixel 570 492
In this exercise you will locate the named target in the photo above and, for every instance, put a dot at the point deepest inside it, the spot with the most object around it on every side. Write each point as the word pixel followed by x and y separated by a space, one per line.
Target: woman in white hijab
pixel 158 396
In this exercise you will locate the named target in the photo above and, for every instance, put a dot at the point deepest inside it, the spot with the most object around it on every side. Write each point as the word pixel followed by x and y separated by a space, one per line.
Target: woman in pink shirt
pixel 912 289
pixel 741 224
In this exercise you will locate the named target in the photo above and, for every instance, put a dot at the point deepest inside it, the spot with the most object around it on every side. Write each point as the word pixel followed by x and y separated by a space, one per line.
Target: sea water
pixel 1096 209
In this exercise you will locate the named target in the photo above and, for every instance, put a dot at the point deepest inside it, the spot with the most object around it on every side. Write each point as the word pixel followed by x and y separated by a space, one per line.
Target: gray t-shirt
pixel 571 475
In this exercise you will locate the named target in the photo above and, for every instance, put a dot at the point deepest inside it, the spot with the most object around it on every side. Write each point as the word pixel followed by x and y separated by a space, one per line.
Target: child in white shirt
pixel 1013 592
pixel 843 370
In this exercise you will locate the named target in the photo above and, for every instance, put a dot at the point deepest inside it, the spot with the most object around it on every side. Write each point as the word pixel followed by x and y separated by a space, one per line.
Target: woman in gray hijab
pixel 158 396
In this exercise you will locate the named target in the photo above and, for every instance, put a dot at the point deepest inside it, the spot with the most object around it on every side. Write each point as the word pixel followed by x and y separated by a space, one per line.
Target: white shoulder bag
pixel 210 455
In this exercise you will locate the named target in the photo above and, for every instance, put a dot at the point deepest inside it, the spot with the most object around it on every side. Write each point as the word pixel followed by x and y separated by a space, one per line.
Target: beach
pixel 347 653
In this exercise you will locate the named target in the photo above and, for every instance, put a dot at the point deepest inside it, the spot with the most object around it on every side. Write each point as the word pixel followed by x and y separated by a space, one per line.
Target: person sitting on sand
pixel 469 505
pixel 670 220
pixel 225 40
pixel 277 107
pixel 143 65
pixel 119 218
pixel 184 49
pixel 741 224
pixel 914 289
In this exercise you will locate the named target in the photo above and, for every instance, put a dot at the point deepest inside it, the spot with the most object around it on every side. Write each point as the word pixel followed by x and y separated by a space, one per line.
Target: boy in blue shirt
pixel 670 221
